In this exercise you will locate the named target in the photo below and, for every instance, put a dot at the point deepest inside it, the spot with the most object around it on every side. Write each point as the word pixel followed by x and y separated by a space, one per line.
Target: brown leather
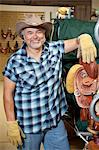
pixel 96 139
pixel 84 114
pixel 91 68
pixel 93 131
pixel 87 81
pixel 93 126
pixel 85 84
pixel 82 100
pixel 84 88
pixel 92 146
pixel 96 126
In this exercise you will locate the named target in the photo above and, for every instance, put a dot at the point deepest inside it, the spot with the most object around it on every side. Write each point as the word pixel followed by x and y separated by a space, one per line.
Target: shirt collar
pixel 45 47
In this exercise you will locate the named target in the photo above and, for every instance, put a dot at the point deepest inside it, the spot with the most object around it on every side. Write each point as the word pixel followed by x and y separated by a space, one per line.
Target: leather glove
pixel 14 133
pixel 88 49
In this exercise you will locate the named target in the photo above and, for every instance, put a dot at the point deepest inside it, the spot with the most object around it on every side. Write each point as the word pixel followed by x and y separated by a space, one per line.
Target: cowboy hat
pixel 33 21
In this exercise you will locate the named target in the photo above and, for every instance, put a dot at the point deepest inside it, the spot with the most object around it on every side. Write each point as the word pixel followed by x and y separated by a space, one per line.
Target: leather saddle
pixel 86 83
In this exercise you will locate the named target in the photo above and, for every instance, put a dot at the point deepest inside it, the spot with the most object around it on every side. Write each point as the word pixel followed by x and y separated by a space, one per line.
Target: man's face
pixel 34 37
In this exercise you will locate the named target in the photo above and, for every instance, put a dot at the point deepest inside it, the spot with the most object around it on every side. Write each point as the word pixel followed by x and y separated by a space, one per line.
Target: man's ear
pixel 22 34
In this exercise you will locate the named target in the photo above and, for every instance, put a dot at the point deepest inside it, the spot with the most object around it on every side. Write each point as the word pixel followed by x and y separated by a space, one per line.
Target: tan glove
pixel 88 49
pixel 14 133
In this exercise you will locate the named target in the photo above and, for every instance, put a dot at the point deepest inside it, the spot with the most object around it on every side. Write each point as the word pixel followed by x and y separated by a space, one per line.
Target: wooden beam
pixel 46 2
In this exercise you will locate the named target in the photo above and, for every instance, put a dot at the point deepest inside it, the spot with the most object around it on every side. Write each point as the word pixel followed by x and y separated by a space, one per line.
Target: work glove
pixel 15 133
pixel 87 47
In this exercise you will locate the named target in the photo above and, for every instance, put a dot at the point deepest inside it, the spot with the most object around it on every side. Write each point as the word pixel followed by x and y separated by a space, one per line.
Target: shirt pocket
pixel 27 79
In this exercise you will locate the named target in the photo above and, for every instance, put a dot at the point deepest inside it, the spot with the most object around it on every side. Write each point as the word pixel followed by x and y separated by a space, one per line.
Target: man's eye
pixel 39 32
pixel 29 32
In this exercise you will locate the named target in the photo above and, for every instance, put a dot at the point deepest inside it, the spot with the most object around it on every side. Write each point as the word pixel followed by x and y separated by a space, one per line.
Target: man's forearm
pixel 8 97
pixel 70 45
pixel 9 108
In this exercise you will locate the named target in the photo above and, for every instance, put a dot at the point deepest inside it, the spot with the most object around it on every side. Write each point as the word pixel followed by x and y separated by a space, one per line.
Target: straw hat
pixel 33 21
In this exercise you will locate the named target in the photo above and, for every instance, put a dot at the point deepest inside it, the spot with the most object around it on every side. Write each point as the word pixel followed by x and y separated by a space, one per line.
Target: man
pixel 34 97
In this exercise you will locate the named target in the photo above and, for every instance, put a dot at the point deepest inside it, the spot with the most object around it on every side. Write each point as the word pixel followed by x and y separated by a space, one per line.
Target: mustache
pixel 43 39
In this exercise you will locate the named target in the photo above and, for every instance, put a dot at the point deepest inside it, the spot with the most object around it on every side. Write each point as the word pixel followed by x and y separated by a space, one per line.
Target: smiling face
pixel 34 38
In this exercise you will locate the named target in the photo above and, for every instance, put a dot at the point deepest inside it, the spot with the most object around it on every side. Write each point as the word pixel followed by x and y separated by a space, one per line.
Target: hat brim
pixel 47 26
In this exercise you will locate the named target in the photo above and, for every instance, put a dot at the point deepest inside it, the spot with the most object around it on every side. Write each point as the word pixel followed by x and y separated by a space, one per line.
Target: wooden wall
pixel 82 7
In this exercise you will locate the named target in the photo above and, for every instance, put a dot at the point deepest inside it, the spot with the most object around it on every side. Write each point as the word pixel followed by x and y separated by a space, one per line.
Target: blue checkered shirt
pixel 39 94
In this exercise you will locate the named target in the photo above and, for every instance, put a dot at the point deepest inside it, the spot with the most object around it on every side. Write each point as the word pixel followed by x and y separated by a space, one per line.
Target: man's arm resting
pixel 8 94
pixel 14 131
pixel 85 44
pixel 71 44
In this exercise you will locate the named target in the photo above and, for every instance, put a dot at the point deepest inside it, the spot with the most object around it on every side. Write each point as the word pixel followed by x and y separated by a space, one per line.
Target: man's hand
pixel 88 49
pixel 14 133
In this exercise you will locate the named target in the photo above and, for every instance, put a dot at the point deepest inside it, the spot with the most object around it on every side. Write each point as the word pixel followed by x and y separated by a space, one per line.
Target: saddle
pixel 85 83
pixel 91 146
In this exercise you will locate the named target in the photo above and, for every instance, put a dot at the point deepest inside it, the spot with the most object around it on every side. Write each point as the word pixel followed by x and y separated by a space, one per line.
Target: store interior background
pixel 4 17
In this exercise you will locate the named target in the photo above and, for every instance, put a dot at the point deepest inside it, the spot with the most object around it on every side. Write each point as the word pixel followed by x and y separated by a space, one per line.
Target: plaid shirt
pixel 39 95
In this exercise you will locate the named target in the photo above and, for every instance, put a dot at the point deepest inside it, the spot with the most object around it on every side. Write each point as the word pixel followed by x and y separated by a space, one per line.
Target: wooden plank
pixel 46 2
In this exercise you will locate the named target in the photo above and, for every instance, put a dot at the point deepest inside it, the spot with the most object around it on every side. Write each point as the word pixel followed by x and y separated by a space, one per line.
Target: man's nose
pixel 34 35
